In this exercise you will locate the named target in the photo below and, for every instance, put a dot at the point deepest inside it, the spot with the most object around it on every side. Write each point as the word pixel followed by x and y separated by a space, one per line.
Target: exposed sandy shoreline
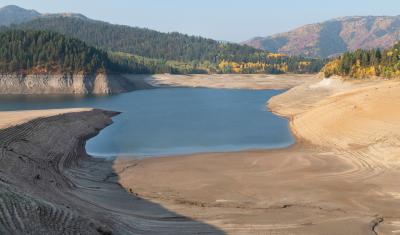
pixel 341 177
pixel 232 81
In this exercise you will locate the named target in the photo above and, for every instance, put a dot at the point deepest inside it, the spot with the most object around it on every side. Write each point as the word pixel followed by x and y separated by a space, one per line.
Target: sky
pixel 227 20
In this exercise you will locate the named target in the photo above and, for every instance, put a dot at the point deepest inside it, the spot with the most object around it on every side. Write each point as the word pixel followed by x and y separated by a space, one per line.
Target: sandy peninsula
pixel 341 176
pixel 49 185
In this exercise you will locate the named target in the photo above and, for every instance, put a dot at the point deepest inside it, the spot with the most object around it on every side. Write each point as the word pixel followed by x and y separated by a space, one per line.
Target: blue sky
pixel 231 20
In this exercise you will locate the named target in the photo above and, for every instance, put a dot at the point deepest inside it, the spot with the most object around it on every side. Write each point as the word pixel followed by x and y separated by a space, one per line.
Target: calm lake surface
pixel 169 121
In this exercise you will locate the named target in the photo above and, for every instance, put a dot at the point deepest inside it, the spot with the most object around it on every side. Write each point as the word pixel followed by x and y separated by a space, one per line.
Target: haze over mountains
pixel 334 37
pixel 15 15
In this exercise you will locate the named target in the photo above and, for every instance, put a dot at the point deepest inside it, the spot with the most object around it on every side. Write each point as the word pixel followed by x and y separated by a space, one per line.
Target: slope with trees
pixel 49 52
pixel 157 52
pixel 366 64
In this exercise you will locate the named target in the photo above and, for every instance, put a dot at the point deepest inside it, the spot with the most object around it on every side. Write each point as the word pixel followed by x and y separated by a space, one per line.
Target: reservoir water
pixel 169 121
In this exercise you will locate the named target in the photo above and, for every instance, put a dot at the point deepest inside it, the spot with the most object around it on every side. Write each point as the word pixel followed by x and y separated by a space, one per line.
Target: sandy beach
pixel 341 176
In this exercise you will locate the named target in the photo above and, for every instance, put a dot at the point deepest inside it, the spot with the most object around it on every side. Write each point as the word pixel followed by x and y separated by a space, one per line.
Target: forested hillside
pixel 139 49
pixel 141 41
pixel 48 52
pixel 366 64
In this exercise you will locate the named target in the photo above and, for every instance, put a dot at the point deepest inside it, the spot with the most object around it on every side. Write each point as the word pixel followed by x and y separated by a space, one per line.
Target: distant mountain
pixel 15 15
pixel 334 37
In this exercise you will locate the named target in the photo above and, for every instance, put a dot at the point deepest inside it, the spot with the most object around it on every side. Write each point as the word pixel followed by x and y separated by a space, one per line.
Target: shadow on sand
pixel 98 183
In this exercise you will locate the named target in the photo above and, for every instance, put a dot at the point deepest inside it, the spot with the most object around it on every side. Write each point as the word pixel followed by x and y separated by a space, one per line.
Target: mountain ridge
pixel 13 14
pixel 333 37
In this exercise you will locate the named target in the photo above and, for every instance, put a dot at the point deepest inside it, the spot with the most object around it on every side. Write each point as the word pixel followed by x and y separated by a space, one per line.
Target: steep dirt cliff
pixel 64 84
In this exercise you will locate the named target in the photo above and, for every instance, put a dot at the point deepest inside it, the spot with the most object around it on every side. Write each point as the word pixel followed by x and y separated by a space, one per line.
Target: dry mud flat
pixel 341 177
